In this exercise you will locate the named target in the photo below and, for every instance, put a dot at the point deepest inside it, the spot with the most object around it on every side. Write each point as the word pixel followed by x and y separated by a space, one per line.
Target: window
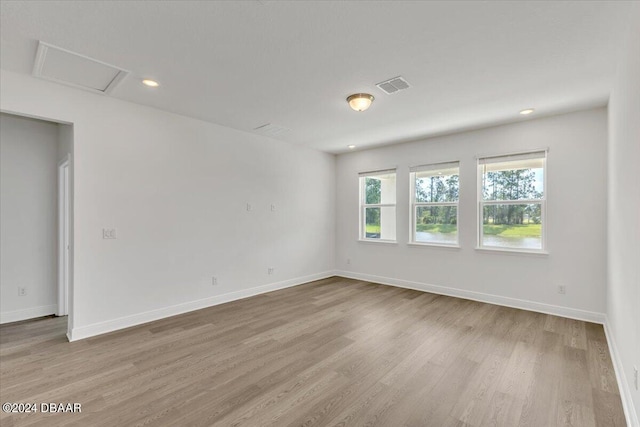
pixel 434 210
pixel 512 202
pixel 378 205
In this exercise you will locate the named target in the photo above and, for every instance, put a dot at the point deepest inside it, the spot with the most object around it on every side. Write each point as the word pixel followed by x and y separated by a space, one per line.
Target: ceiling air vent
pixel 70 68
pixel 271 129
pixel 393 85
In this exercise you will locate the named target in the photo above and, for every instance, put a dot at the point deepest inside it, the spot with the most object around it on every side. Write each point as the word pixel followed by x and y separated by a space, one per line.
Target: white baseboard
pixel 87 331
pixel 28 313
pixel 630 412
pixel 572 313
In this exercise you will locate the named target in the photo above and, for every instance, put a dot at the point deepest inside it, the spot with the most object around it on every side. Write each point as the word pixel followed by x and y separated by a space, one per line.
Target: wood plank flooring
pixel 335 352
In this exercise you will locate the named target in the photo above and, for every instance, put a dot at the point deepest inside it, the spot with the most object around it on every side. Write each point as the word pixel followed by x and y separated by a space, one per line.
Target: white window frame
pixel 415 205
pixel 539 153
pixel 362 233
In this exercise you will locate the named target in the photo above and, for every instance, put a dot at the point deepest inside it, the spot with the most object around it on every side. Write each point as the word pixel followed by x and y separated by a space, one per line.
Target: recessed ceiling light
pixel 527 111
pixel 360 101
pixel 150 83
pixel 351 147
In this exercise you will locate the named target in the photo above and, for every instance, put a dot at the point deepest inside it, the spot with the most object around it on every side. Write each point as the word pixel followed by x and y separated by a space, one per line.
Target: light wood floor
pixel 332 352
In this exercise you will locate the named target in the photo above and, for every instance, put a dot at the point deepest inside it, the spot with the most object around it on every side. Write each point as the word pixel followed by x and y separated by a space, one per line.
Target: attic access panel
pixel 70 68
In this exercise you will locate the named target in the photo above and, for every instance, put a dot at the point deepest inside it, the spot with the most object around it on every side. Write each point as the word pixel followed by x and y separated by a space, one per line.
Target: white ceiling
pixel 292 64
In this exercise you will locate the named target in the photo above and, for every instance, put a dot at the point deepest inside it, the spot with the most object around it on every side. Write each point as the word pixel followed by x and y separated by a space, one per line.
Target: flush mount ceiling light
pixel 360 101
pixel 527 111
pixel 150 83
pixel 351 147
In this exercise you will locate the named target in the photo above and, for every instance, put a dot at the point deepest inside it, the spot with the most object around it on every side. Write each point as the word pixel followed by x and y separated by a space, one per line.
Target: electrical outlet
pixel 214 281
pixel 635 377
pixel 108 233
pixel 273 208
pixel 348 261
pixel 249 207
pixel 562 289
pixel 270 270
pixel 22 291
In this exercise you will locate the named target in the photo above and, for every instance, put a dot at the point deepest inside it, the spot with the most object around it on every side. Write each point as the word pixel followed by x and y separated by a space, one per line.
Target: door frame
pixel 64 238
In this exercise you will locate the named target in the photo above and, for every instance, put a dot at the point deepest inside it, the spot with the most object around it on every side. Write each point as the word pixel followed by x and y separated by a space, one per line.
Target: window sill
pixel 434 245
pixel 502 251
pixel 385 242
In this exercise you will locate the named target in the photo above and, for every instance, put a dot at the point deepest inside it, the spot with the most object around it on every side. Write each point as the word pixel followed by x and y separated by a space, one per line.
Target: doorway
pixel 36 222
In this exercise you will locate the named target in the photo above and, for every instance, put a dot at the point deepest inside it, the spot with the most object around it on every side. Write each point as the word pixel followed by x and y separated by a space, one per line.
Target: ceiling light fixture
pixel 360 101
pixel 150 83
pixel 527 111
pixel 351 147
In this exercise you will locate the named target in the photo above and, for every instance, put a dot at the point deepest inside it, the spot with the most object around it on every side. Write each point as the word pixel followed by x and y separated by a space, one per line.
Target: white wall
pixel 623 296
pixel 176 190
pixel 28 217
pixel 576 224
